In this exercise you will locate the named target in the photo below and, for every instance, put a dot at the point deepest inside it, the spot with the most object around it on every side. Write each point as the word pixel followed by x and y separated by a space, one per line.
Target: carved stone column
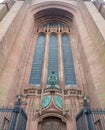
pixel 60 62
pixel 45 66
pixel 45 62
pixel 61 66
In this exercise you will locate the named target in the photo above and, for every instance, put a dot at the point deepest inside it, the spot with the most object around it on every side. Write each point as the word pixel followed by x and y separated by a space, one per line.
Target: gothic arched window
pixel 53 51
pixel 35 77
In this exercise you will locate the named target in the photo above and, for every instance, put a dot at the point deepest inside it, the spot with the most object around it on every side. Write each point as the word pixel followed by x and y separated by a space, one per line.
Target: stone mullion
pixel 45 66
pixel 45 62
pixel 60 65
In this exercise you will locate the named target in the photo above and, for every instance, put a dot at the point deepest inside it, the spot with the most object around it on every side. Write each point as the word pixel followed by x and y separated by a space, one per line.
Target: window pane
pixel 53 24
pixel 53 56
pixel 35 76
pixel 69 72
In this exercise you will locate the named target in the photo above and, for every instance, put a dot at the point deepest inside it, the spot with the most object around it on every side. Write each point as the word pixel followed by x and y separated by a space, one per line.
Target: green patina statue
pixel 52 80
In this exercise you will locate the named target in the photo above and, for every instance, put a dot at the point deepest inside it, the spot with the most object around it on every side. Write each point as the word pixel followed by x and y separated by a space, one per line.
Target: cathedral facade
pixel 53 54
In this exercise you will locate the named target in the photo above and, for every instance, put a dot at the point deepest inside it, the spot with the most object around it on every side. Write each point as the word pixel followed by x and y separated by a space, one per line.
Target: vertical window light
pixel 53 56
pixel 35 76
pixel 69 72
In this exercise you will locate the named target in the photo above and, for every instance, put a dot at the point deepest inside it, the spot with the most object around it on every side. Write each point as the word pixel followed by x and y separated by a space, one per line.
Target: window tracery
pixel 53 26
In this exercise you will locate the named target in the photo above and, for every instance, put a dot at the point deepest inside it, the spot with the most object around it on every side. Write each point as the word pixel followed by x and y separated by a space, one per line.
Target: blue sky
pixel 1 1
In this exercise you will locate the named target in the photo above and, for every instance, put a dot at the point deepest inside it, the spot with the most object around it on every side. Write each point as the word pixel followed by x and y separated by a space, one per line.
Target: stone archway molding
pixel 63 118
pixel 70 6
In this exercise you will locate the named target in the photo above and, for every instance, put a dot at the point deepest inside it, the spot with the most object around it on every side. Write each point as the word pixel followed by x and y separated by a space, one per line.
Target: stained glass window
pixel 53 56
pixel 36 71
pixel 53 24
pixel 69 72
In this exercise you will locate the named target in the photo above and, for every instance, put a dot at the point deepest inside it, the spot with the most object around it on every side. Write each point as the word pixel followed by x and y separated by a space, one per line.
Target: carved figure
pixel 52 80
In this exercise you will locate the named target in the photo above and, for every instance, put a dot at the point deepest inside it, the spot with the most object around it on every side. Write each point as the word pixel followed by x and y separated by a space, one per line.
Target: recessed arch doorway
pixel 52 123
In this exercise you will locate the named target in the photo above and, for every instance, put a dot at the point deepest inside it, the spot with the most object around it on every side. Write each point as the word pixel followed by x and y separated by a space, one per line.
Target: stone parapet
pixel 3 11
pixel 100 5
pixel 102 11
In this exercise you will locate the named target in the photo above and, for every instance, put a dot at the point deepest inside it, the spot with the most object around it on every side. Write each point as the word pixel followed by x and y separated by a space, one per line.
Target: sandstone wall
pixel 18 57
pixel 100 5
pixel 15 40
pixel 102 11
pixel 95 51
pixel 83 42
pixel 3 11
pixel 9 28
pixel 9 3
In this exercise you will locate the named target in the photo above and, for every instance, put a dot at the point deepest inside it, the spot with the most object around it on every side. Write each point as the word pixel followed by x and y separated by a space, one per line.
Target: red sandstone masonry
pixel 10 77
pixel 9 28
pixel 20 52
pixel 19 62
pixel 83 42
pixel 95 50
